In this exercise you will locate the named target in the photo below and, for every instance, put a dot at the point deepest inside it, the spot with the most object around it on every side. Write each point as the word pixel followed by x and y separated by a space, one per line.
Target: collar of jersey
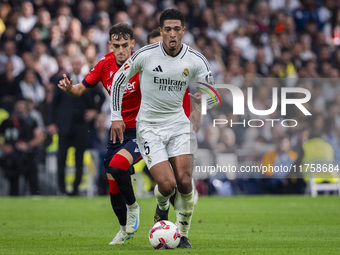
pixel 179 55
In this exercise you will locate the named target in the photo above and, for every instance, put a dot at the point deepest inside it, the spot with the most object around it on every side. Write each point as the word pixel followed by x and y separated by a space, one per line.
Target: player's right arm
pixel 120 80
pixel 67 86
pixel 90 80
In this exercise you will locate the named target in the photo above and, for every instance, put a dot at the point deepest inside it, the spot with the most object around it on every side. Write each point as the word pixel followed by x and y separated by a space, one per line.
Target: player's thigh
pixel 126 154
pixel 182 166
pixel 164 177
pixel 131 151
pixel 128 149
pixel 126 157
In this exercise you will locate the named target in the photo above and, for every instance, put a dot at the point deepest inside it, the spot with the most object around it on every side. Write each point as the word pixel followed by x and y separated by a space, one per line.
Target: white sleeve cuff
pixel 116 115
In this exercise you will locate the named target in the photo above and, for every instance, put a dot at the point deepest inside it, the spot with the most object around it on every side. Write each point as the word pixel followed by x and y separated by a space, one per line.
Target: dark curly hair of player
pixel 171 14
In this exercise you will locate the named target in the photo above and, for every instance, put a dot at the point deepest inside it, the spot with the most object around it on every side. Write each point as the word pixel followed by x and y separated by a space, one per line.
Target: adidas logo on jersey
pixel 158 69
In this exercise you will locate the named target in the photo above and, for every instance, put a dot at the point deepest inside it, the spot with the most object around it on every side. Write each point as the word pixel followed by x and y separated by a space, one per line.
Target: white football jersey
pixel 163 82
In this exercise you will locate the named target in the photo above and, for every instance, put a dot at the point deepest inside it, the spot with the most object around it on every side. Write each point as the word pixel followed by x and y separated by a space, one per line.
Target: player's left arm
pixel 120 81
pixel 205 84
pixel 195 118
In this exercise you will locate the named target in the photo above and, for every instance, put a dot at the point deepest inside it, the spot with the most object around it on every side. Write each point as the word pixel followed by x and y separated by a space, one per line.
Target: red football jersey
pixel 104 71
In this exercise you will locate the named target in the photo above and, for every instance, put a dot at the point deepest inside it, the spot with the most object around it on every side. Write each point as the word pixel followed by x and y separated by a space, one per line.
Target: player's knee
pixel 184 184
pixel 114 171
pixel 167 187
pixel 120 162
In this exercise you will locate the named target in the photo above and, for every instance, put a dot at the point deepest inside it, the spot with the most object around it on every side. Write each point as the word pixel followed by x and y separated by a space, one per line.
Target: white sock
pixel 123 228
pixel 184 208
pixel 133 206
pixel 195 192
pixel 162 201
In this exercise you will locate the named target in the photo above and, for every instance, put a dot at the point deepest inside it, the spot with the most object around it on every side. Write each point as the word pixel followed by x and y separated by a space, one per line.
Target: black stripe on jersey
pixel 149 47
pixel 185 52
pixel 116 89
pixel 118 93
pixel 113 90
pixel 122 78
pixel 202 57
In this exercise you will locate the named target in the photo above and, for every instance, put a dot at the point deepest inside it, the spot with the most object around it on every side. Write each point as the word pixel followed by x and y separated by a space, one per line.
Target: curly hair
pixel 171 14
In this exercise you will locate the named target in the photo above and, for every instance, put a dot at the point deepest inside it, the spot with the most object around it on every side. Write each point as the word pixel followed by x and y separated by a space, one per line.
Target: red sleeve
pixel 94 76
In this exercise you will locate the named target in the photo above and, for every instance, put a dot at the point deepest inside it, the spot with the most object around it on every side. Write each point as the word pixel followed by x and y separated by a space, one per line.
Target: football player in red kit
pixel 120 156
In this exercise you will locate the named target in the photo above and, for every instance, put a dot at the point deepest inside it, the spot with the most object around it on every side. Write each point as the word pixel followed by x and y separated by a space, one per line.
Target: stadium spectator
pixel 227 141
pixel 44 22
pixel 64 10
pixel 5 10
pixel 282 158
pixel 262 13
pixel 64 66
pixel 305 13
pixel 31 88
pixel 89 34
pixel 35 114
pixel 154 36
pixel 9 89
pixel 315 149
pixel 33 37
pixel 74 34
pixel 289 70
pixel 122 17
pixel 287 5
pixel 260 60
pixel 21 138
pixel 101 36
pixel 47 65
pixel 7 54
pixel 86 13
pixel 98 140
pixel 90 53
pixel 55 40
pixel 62 21
pixel 229 24
pixel 26 19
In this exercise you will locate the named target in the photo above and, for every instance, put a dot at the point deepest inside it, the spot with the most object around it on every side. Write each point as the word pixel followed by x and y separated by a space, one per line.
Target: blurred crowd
pixel 249 43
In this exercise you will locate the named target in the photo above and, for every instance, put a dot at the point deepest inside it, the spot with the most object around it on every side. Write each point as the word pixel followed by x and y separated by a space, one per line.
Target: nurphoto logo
pixel 286 95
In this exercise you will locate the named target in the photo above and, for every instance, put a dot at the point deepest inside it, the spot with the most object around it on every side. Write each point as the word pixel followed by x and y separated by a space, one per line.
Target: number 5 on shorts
pixel 146 148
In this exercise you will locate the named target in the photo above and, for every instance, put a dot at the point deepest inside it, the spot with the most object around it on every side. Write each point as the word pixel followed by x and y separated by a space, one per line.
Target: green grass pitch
pixel 236 225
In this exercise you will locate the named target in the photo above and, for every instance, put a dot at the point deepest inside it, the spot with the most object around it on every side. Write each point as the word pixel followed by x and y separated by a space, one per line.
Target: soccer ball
pixel 164 235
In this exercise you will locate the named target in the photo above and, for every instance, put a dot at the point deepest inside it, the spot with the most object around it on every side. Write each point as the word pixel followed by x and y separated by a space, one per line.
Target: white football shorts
pixel 158 143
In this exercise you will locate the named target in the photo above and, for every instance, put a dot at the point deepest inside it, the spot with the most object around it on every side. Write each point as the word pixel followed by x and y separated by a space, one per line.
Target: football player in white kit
pixel 165 136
